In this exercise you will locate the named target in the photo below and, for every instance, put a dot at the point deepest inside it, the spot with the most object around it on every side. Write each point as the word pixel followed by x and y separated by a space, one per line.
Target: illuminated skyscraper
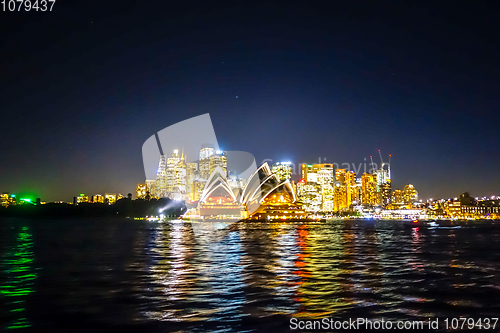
pixel 176 174
pixel 161 178
pixel 369 189
pixel 397 197
pixel 206 151
pixel 283 170
pixel 306 169
pixel 384 183
pixel 385 193
pixel 345 189
pixel 191 174
pixel 315 190
pixel 218 159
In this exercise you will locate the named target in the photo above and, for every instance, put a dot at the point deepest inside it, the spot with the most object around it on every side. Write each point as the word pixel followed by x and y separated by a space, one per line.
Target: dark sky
pixel 82 87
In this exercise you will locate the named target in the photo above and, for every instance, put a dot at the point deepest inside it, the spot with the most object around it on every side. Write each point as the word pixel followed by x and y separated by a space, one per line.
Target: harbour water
pixel 98 275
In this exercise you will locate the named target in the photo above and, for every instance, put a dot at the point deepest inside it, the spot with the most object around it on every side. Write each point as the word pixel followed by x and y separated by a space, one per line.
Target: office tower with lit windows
pixel 198 186
pixel 176 174
pixel 98 198
pixel 191 174
pixel 369 194
pixel 397 197
pixel 385 193
pixel 345 190
pixel 161 178
pixel 283 170
pixel 309 194
pixel 315 190
pixel 218 159
pixel 206 151
pixel 351 188
pixel 384 184
pixel 409 194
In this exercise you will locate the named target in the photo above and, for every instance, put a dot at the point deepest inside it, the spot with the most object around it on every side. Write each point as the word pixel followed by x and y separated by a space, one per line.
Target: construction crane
pixel 380 154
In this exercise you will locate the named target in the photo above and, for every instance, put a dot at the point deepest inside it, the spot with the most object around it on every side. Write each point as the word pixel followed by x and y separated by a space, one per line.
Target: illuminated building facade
pixel 97 198
pixel 198 186
pixel 176 174
pixel 191 174
pixel 5 199
pixel 315 191
pixel 385 193
pixel 160 188
pixel 369 189
pixel 217 200
pixel 110 198
pixel 397 197
pixel 82 198
pixel 409 194
pixel 283 170
pixel 206 151
pixel 345 190
pixel 140 191
pixel 218 159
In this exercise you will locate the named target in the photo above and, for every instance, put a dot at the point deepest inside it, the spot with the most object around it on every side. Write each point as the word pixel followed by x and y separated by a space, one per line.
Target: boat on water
pixel 432 223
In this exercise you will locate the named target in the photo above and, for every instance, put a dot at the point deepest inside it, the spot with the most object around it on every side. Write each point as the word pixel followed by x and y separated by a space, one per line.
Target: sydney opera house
pixel 264 197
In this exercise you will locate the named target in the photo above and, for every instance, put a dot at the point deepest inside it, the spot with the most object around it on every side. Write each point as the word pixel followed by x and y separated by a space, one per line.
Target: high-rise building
pixel 345 190
pixel 218 159
pixel 206 151
pixel 315 190
pixel 385 193
pixel 176 174
pixel 161 178
pixel 283 170
pixel 339 197
pixel 306 169
pixel 191 174
pixel 198 186
pixel 369 189
pixel 397 197
pixel 384 184
pixel 409 194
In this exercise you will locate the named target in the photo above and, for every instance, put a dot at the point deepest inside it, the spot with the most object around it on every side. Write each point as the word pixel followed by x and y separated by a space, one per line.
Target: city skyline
pixel 291 82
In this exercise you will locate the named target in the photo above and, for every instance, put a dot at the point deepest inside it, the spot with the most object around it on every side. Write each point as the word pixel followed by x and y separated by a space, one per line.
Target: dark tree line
pixel 122 208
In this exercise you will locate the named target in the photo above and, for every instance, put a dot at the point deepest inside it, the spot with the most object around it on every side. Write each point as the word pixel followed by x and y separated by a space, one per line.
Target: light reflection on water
pixel 179 276
pixel 17 275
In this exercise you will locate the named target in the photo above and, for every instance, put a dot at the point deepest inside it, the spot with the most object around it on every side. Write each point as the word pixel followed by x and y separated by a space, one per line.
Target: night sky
pixel 82 87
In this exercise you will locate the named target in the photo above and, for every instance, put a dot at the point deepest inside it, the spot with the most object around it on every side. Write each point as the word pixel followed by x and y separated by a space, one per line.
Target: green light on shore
pixel 81 194
pixel 12 195
pixel 27 200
